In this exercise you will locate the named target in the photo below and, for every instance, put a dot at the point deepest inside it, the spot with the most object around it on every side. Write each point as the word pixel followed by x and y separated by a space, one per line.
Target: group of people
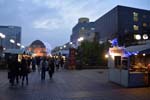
pixel 19 70
pixel 49 65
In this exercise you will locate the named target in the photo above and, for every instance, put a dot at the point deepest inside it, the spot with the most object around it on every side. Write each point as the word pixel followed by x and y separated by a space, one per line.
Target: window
pixel 135 16
pixel 144 24
pixel 82 28
pixel 92 28
pixel 135 27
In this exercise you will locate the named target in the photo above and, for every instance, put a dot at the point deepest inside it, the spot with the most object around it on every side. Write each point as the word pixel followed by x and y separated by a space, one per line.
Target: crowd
pixel 19 70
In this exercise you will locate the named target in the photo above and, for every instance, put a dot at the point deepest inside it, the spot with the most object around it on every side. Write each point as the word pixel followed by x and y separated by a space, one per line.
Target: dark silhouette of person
pixel 38 60
pixel 33 64
pixel 13 66
pixel 57 63
pixel 51 66
pixel 62 62
pixel 44 66
pixel 24 70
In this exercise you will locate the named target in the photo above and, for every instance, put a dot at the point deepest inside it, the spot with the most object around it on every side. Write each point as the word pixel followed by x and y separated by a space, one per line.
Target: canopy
pixel 18 51
pixel 138 48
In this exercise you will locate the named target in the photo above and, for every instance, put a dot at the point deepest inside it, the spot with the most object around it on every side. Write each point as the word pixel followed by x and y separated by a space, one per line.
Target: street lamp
pixel 12 42
pixel 80 39
pixel 137 37
pixel 145 36
pixel 60 48
pixel 70 43
pixel 18 44
pixel 22 46
pixel 64 46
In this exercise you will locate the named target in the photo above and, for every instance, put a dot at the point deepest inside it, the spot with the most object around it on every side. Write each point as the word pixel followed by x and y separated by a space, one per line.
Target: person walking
pixel 44 66
pixel 33 64
pixel 24 70
pixel 13 66
pixel 57 64
pixel 38 60
pixel 62 62
pixel 51 68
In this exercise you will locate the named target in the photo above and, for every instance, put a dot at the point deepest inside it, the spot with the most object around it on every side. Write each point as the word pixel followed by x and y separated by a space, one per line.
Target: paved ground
pixel 70 85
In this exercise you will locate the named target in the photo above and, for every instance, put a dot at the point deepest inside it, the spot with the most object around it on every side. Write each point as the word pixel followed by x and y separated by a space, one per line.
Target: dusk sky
pixel 52 20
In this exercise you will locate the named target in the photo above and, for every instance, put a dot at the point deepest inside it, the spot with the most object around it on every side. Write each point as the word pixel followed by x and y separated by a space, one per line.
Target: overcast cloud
pixel 52 20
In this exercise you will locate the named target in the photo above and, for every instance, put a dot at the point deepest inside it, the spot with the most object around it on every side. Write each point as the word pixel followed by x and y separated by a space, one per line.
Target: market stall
pixel 130 66
pixel 17 52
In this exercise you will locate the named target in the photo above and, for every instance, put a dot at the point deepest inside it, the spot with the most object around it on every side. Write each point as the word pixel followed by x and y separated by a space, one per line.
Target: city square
pixel 74 50
pixel 71 85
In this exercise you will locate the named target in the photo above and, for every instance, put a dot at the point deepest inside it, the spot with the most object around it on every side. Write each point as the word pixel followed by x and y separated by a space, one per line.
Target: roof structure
pixel 42 44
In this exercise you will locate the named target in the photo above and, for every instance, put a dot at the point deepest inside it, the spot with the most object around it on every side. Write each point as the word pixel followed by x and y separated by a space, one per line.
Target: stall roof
pixel 138 48
pixel 17 51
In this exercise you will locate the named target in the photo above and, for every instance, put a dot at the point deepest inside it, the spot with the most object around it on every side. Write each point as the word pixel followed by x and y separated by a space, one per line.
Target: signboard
pixel 116 50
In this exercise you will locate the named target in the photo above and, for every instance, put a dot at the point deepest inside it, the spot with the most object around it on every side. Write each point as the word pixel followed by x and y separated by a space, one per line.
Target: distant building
pixel 11 32
pixel 84 29
pixel 124 23
pixel 62 50
pixel 39 48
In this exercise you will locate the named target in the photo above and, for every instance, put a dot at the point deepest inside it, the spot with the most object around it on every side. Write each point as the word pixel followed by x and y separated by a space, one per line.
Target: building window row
pixel 135 16
pixel 135 27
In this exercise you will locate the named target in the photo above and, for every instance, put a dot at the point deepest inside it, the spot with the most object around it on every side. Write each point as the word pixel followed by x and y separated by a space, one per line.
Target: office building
pixel 125 24
pixel 83 30
pixel 11 33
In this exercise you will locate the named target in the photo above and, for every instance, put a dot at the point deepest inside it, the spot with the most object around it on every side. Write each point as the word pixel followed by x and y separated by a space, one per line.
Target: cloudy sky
pixel 52 20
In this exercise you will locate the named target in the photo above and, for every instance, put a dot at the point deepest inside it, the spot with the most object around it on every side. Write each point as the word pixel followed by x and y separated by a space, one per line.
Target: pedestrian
pixel 44 66
pixel 51 68
pixel 62 62
pixel 13 66
pixel 33 64
pixel 38 60
pixel 57 64
pixel 24 70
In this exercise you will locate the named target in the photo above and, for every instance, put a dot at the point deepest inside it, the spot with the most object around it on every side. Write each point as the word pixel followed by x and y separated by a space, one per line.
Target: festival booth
pixel 130 67
pixel 17 52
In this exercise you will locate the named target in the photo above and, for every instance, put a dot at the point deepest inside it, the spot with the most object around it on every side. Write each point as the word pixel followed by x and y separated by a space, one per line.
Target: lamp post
pixel 2 36
pixel 12 41
pixel 80 40
pixel 22 46
pixel 18 44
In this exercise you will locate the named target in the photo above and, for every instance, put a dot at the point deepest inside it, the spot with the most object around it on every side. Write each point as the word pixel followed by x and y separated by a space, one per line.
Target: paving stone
pixel 70 85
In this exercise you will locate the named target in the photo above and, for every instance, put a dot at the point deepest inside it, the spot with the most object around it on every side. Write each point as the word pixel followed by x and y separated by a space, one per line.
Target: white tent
pixel 18 51
pixel 138 48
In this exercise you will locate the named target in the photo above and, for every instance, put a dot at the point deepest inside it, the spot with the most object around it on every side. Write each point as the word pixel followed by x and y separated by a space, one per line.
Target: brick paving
pixel 70 85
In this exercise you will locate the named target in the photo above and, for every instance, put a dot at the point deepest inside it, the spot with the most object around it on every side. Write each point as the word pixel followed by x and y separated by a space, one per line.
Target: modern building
pixel 128 25
pixel 11 33
pixel 40 48
pixel 62 50
pixel 82 30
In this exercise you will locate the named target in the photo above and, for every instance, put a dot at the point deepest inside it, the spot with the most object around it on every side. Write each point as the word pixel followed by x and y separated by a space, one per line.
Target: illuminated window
pixel 82 28
pixel 135 16
pixel 145 36
pixel 92 28
pixel 135 27
pixel 144 24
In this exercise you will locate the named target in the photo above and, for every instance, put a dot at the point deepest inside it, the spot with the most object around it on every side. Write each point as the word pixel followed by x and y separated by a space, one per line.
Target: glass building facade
pixel 10 32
